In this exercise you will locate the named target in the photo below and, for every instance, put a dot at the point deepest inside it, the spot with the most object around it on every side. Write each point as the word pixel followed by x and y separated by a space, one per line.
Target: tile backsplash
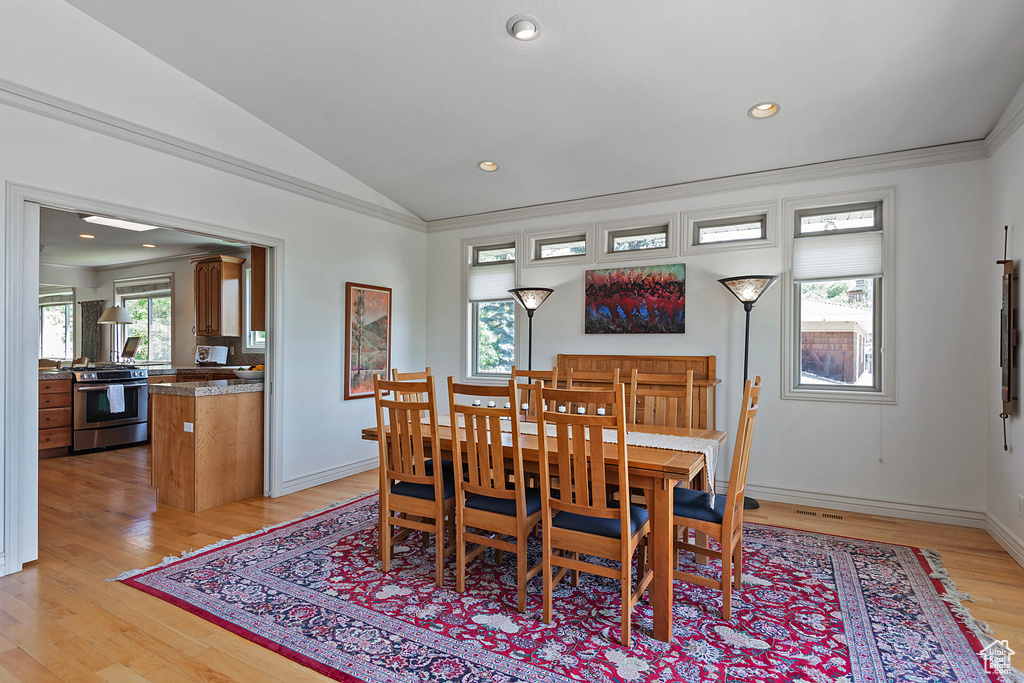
pixel 234 344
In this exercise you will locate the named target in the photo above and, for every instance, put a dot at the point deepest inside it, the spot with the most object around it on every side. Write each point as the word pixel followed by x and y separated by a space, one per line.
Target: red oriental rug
pixel 814 608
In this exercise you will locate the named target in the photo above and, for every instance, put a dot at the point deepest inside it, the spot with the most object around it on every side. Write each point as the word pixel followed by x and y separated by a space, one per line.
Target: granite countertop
pixel 215 387
pixel 45 375
pixel 159 370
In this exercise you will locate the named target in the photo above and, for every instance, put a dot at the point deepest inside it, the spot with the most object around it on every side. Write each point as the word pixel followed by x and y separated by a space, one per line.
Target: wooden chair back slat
pixel 580 379
pixel 741 451
pixel 415 376
pixel 403 453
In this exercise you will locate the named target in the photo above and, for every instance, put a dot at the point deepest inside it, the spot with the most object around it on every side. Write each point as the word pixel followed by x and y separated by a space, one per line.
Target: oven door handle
pixel 103 387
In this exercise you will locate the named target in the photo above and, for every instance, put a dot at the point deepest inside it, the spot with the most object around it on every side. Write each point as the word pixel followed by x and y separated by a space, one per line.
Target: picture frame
pixel 635 300
pixel 367 337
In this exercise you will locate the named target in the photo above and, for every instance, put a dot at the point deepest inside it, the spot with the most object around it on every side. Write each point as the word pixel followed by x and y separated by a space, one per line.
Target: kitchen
pixel 141 330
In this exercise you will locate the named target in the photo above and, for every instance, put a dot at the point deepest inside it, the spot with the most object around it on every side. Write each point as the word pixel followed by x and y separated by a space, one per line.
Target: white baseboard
pixel 325 476
pixel 1006 538
pixel 871 506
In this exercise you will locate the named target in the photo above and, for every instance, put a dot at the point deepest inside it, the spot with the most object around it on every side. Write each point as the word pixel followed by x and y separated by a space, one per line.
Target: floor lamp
pixel 748 289
pixel 530 298
pixel 115 315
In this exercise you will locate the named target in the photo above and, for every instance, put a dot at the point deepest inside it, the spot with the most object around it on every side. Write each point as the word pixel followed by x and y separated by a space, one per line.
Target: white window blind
pixel 155 285
pixel 56 296
pixel 837 256
pixel 491 282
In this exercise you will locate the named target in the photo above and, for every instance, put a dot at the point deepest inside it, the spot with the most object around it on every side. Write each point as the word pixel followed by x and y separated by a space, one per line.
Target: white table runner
pixel 709 447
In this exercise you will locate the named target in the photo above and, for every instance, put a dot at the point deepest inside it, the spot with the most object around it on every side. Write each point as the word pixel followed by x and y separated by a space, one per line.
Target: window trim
pixel 66 326
pixel 608 230
pixel 535 239
pixel 727 214
pixel 884 344
pixel 469 247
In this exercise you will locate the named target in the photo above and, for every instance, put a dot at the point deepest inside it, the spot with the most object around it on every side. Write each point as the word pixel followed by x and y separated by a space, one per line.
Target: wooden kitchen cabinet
pixel 54 417
pixel 218 295
pixel 258 295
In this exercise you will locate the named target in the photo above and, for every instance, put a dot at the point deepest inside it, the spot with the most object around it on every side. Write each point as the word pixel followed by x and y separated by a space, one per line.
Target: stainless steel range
pixel 109 407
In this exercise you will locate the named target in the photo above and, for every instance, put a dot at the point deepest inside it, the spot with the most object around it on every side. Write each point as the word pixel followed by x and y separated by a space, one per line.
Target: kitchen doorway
pixel 24 267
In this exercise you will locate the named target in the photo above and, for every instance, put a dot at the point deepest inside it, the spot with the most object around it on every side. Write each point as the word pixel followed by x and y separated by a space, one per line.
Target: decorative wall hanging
pixel 367 337
pixel 91 311
pixel 639 300
pixel 1007 335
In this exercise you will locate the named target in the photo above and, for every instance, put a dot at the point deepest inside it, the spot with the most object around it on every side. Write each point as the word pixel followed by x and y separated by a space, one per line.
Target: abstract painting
pixel 640 300
pixel 368 337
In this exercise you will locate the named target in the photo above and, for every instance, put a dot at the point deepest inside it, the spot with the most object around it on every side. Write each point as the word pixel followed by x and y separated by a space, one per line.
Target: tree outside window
pixel 151 322
pixel 57 331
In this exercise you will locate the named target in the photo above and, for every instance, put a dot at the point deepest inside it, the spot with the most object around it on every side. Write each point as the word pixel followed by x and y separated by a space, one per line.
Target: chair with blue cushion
pixel 488 507
pixel 721 517
pixel 414 495
pixel 580 518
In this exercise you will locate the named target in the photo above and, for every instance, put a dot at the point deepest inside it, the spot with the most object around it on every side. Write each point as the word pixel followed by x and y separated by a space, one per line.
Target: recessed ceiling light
pixel 149 246
pixel 763 110
pixel 488 166
pixel 117 222
pixel 87 237
pixel 523 27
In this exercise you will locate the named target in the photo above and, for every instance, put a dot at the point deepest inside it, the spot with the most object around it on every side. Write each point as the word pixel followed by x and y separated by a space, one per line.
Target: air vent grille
pixel 825 515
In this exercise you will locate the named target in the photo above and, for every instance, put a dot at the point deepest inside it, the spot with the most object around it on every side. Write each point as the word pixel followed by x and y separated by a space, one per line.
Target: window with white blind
pixel 56 322
pixel 841 285
pixel 149 302
pixel 491 309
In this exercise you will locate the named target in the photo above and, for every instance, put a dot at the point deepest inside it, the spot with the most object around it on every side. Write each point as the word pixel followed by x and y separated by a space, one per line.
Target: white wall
pixel 324 246
pixel 921 457
pixel 1005 468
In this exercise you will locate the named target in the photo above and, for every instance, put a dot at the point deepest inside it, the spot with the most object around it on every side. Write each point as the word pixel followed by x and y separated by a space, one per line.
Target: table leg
pixel 662 551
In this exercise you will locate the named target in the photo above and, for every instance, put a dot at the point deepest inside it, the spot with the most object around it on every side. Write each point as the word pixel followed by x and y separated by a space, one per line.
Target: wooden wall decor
pixel 1007 335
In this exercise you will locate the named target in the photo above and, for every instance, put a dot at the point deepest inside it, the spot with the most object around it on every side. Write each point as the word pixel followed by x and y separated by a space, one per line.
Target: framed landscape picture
pixel 368 337
pixel 640 300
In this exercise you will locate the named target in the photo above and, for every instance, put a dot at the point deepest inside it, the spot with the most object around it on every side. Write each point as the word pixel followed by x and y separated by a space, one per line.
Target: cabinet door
pixel 201 286
pixel 215 283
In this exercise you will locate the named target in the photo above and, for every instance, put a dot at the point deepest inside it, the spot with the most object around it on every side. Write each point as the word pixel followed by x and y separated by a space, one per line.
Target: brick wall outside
pixel 836 355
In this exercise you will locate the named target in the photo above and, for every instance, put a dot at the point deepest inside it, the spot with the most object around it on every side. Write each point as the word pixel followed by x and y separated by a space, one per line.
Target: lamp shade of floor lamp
pixel 115 315
pixel 530 298
pixel 748 289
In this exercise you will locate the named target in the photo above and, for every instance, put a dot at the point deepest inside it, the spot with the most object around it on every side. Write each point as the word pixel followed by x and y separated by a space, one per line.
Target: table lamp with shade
pixel 115 315
pixel 530 298
pixel 748 289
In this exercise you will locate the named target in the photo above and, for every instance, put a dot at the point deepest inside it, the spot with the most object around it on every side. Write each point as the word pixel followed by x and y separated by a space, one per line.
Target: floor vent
pixel 806 512
pixel 826 515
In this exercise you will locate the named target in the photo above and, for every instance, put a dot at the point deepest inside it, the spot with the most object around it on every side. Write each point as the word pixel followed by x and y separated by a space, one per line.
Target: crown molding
pixel 925 156
pixel 65 111
pixel 1006 126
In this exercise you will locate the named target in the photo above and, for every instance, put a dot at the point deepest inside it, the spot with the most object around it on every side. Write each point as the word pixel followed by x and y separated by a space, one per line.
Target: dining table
pixel 657 471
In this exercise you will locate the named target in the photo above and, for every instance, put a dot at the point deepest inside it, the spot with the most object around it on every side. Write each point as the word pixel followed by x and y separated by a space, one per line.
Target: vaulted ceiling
pixel 609 97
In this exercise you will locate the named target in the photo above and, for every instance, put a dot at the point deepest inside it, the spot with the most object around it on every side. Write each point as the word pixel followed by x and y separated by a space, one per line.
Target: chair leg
pixel 575 578
pixel 549 582
pixel 460 560
pixel 384 541
pixel 626 581
pixel 737 555
pixel 439 553
pixel 726 582
pixel 521 572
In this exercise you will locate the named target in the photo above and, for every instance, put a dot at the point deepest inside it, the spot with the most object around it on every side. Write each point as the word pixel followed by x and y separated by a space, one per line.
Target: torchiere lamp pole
pixel 530 298
pixel 748 289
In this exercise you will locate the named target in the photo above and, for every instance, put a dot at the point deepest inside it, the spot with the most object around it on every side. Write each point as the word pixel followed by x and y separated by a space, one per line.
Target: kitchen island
pixel 207 442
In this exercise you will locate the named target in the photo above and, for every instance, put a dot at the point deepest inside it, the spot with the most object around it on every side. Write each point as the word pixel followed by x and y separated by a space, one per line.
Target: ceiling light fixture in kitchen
pixel 116 222
pixel 149 246
pixel 488 166
pixel 87 237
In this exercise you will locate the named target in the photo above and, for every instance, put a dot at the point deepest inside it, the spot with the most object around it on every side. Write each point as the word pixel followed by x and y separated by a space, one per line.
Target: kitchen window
pixel 491 310
pixel 57 323
pixel 149 302
pixel 840 308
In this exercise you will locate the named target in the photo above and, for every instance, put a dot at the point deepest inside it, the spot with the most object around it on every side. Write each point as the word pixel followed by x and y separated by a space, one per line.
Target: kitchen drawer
pixel 221 375
pixel 55 400
pixel 163 379
pixel 55 386
pixel 50 418
pixel 54 438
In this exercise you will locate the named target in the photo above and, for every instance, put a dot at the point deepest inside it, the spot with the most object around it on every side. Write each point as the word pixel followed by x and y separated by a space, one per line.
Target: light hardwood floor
pixel 61 620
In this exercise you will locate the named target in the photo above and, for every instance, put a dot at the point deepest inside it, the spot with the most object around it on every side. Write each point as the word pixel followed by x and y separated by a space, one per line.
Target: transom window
pixel 637 239
pixel 742 229
pixel 560 247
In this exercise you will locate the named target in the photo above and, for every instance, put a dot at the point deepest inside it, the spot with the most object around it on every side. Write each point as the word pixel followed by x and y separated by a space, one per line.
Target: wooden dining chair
pixel 578 379
pixel 721 517
pixel 413 494
pixel 580 518
pixel 548 377
pixel 488 508
pixel 46 364
pixel 80 362
pixel 414 376
pixel 661 399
